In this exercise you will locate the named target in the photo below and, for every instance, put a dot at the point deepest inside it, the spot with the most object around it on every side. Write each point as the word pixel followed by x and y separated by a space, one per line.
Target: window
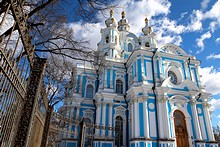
pixel 147 44
pixel 119 87
pixel 88 129
pixel 130 47
pixel 89 91
pixel 119 131
pixel 173 77
pixel 106 39
pixel 88 133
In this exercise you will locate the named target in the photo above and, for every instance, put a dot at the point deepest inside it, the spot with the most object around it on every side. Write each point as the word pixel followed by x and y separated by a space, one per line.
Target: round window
pixel 173 77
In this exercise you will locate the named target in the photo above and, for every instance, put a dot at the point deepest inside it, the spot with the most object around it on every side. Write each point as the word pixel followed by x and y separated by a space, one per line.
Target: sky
pixel 192 25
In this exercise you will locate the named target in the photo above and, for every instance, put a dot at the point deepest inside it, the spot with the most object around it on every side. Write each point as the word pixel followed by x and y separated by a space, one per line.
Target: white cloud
pixel 217 40
pixel 204 4
pixel 213 56
pixel 196 21
pixel 7 23
pixel 210 78
pixel 182 15
pixel 214 12
pixel 200 41
pixel 212 26
pixel 215 105
pixel 168 31
pixel 90 32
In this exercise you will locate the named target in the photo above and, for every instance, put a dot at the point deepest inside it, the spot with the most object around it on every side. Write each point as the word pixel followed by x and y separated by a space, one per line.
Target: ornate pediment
pixel 179 100
pixel 88 114
pixel 172 49
pixel 120 111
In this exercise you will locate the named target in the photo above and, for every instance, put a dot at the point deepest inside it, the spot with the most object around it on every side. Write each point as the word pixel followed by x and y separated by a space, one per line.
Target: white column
pixel 166 119
pixel 111 75
pixel 208 121
pixel 196 120
pixel 129 121
pixel 98 118
pixel 137 126
pixel 106 73
pixel 77 112
pixel 160 118
pixel 103 118
pixel 164 127
pixel 71 117
pixel 76 131
pixel 132 120
pixel 146 122
pixel 142 66
pixel 110 119
pixel 76 126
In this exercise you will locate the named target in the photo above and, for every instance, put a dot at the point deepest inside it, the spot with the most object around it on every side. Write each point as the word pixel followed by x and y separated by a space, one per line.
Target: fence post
pixel 30 100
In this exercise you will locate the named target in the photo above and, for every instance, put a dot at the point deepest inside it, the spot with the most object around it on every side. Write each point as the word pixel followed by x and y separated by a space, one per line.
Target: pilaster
pixel 110 119
pixel 98 112
pixel 196 119
pixel 103 118
pixel 208 121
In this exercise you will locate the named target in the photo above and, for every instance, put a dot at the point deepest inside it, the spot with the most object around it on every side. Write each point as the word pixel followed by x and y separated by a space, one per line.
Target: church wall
pixel 189 110
pixel 152 118
pixel 139 70
pixel 149 108
pixel 202 121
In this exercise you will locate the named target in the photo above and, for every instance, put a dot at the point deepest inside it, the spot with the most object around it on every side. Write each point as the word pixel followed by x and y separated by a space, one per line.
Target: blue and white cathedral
pixel 140 95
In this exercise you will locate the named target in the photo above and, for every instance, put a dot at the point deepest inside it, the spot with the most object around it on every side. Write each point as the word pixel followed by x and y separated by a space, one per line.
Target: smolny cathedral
pixel 141 95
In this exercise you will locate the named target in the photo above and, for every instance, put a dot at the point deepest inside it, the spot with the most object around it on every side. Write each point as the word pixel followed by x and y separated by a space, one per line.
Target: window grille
pixel 119 87
pixel 119 131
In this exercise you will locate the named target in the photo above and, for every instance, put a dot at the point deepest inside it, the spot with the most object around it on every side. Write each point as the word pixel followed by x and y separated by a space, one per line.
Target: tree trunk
pixel 30 100
pixel 46 126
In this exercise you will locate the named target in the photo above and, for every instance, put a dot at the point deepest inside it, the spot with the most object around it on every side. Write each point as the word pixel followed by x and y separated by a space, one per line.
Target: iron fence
pixel 15 66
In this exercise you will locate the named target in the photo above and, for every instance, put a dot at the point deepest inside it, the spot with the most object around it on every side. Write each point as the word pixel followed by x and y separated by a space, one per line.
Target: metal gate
pixel 16 60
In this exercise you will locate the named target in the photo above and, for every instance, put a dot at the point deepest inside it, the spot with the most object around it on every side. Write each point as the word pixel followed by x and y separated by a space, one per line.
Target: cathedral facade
pixel 138 95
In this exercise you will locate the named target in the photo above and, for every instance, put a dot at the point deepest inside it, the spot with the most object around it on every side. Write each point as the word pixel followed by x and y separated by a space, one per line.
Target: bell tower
pixel 110 38
pixel 149 39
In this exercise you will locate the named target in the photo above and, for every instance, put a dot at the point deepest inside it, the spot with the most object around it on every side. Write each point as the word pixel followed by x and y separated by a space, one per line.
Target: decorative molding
pixel 120 111
pixel 88 113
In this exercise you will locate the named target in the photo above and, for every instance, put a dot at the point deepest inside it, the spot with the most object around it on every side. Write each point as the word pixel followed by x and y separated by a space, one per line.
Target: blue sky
pixel 193 25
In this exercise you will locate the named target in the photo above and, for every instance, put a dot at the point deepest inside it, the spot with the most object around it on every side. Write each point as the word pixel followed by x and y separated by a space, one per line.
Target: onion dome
pixel 111 21
pixel 123 23
pixel 147 29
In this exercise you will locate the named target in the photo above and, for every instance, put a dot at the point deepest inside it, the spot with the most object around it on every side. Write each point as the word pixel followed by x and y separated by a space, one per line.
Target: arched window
pixel 88 129
pixel 119 131
pixel 130 47
pixel 89 132
pixel 147 44
pixel 106 39
pixel 89 91
pixel 119 87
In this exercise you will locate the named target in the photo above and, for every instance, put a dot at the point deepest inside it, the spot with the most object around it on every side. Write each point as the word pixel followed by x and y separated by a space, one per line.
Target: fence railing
pixel 16 61
pixel 59 130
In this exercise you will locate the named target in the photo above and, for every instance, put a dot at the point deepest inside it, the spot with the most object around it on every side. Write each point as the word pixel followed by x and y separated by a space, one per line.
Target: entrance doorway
pixel 180 129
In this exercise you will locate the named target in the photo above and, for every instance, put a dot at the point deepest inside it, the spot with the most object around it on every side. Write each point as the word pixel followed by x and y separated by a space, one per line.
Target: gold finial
pixel 146 20
pixel 123 14
pixel 111 12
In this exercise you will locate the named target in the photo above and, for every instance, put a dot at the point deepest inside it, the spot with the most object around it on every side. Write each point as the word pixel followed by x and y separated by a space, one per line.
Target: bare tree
pixel 53 89
pixel 47 21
